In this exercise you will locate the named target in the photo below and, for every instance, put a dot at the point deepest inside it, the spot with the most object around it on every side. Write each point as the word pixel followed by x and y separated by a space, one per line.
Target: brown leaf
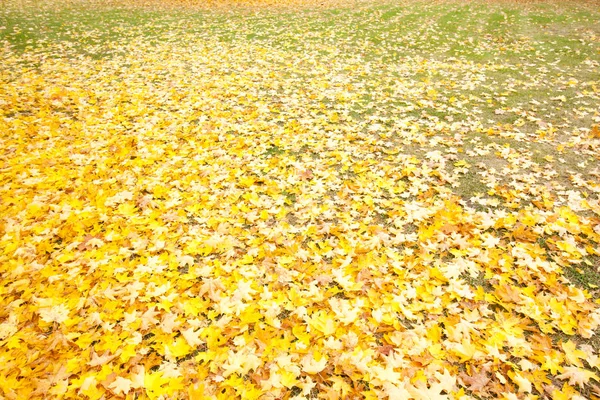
pixel 522 233
pixel 101 360
pixel 385 349
pixel 305 175
pixel 508 294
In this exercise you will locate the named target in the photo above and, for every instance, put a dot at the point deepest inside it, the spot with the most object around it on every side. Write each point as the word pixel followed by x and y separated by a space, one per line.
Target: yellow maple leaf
pixel 323 322
pixel 120 386
pixel 578 376
pixel 313 363
pixel 154 383
pixel 572 355
pixel 178 348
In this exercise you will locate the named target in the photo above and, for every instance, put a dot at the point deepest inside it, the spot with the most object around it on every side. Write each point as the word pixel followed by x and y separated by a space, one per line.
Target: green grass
pixel 473 32
pixel 28 31
pixel 585 275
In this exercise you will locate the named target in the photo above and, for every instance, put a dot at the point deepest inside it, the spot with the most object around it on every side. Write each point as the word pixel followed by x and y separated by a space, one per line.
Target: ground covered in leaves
pixel 383 200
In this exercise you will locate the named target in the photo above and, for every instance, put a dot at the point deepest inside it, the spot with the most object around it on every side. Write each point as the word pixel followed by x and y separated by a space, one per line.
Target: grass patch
pixel 585 275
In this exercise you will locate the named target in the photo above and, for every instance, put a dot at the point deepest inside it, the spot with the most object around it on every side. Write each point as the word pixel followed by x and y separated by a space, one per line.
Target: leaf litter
pixel 299 204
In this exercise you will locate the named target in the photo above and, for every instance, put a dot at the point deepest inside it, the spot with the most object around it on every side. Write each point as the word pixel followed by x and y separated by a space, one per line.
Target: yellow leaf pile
pixel 194 217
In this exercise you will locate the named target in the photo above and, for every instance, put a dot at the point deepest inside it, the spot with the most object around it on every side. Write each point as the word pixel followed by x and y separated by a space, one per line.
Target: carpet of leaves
pixel 190 216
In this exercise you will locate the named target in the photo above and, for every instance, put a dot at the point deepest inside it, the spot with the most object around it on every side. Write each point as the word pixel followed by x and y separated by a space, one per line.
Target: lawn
pixel 304 199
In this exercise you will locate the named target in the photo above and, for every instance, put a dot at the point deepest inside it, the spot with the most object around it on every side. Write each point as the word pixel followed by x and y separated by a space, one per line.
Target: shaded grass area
pixel 478 32
pixel 80 27
pixel 97 32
